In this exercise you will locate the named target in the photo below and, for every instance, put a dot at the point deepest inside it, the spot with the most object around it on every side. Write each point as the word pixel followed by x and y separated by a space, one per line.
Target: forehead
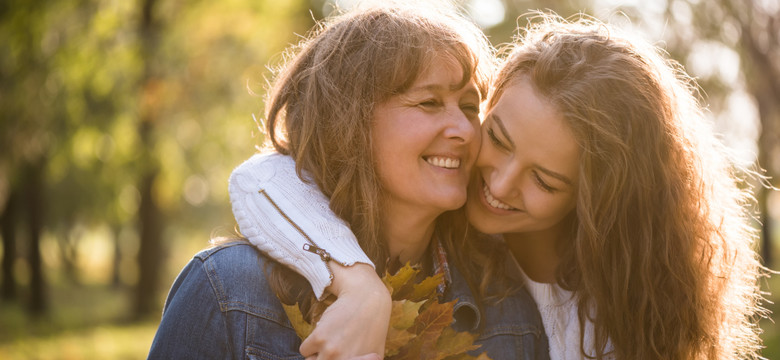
pixel 442 72
pixel 536 127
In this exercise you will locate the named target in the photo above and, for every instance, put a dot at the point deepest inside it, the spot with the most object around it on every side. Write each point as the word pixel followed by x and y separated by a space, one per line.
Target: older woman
pixel 380 109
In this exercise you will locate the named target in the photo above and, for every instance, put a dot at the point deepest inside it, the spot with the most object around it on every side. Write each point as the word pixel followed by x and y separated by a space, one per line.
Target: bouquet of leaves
pixel 420 326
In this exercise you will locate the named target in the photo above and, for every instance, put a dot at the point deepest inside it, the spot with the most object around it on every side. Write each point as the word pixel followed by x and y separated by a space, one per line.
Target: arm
pixel 281 214
pixel 298 215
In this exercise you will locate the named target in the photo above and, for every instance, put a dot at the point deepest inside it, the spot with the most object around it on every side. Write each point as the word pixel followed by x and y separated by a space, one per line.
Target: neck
pixel 408 234
pixel 536 253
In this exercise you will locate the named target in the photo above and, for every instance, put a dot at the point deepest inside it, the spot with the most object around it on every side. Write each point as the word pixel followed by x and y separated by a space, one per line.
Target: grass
pixel 85 322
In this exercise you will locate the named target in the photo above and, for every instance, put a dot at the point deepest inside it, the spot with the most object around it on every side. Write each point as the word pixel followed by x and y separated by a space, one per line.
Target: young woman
pixel 615 198
pixel 380 110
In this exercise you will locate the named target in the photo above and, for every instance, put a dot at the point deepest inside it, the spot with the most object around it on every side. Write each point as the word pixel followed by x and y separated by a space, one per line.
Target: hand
pixel 355 325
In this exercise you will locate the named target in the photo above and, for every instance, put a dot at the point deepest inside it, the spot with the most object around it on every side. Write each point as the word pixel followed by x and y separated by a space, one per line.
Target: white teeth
pixel 493 201
pixel 442 162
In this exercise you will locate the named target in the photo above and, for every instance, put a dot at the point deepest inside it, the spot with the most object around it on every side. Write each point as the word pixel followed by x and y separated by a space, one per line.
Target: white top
pixel 558 308
pixel 282 215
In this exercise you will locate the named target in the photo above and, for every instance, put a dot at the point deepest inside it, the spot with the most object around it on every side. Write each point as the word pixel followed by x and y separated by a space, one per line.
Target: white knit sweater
pixel 282 216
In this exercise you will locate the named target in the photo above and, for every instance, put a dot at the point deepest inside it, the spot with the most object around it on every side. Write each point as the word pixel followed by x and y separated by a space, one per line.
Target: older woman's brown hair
pixel 320 109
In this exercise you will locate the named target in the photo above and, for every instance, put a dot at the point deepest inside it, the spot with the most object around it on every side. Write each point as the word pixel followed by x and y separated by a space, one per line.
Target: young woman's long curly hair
pixel 660 254
pixel 320 108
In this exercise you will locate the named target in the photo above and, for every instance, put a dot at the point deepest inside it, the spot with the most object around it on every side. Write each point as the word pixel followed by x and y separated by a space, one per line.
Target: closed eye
pixel 543 184
pixel 494 139
pixel 429 104
pixel 471 110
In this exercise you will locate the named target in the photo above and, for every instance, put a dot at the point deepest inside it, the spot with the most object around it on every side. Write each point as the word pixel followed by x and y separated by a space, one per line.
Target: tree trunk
pixel 149 212
pixel 116 269
pixel 763 82
pixel 34 196
pixel 150 250
pixel 8 231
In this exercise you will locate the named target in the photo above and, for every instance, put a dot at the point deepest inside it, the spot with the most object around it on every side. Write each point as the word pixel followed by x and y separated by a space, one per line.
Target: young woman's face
pixel 527 170
pixel 426 140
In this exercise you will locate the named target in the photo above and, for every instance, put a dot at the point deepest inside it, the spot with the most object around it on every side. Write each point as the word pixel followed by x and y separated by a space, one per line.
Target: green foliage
pixel 72 94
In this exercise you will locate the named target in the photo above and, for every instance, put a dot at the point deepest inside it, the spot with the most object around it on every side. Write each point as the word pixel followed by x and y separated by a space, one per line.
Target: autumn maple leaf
pixel 420 326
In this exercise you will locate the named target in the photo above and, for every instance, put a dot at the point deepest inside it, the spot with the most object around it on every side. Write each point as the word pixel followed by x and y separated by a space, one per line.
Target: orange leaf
pixel 431 322
pixel 396 338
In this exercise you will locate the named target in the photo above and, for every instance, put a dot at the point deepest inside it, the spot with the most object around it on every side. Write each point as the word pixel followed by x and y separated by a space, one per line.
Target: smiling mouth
pixel 443 162
pixel 492 201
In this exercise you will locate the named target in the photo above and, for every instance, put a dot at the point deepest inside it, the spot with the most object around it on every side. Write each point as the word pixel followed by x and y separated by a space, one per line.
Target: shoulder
pixel 224 301
pixel 238 274
pixel 235 262
pixel 229 251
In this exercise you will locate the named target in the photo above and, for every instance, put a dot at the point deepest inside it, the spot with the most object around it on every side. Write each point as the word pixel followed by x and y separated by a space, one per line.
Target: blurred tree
pixel 150 215
pixel 199 59
pixel 8 232
pixel 750 30
pixel 24 138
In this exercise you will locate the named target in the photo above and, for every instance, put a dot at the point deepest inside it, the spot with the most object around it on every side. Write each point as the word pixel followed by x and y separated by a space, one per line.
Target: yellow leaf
pixel 401 278
pixel 453 343
pixel 419 326
pixel 426 289
pixel 403 314
pixel 482 356
pixel 301 327
pixel 396 338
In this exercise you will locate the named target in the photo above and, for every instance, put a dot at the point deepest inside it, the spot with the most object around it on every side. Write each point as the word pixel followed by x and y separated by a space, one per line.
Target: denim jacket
pixel 221 307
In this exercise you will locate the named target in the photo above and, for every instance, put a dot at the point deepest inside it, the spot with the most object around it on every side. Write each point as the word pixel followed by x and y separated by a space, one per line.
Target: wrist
pixel 358 278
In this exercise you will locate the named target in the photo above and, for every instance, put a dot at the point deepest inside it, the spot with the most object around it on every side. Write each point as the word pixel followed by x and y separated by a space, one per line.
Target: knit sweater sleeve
pixel 290 219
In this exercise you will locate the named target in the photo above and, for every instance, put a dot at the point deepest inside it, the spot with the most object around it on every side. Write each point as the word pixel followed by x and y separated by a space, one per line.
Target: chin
pixel 477 219
pixel 455 204
pixel 485 222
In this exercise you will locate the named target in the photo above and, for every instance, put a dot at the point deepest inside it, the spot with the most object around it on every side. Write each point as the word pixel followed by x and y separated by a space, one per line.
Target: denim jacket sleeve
pixel 221 307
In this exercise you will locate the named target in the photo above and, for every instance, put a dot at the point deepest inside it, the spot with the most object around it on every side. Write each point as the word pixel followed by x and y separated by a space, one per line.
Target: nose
pixel 460 127
pixel 504 182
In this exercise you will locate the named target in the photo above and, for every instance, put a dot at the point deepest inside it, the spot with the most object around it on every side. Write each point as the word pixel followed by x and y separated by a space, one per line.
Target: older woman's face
pixel 527 171
pixel 426 140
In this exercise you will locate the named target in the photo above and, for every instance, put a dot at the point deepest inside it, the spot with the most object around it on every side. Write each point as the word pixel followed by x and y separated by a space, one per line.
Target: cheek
pixel 476 144
pixel 484 155
pixel 548 207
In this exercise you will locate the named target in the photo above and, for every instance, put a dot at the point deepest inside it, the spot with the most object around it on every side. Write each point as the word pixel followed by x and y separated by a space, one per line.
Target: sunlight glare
pixel 486 13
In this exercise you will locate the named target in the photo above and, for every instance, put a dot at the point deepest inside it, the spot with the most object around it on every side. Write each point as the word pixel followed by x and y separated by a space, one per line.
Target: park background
pixel 120 122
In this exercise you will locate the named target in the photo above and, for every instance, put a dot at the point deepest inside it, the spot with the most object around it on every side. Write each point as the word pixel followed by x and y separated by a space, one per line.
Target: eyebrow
pixel 438 87
pixel 501 127
pixel 548 172
pixel 556 175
